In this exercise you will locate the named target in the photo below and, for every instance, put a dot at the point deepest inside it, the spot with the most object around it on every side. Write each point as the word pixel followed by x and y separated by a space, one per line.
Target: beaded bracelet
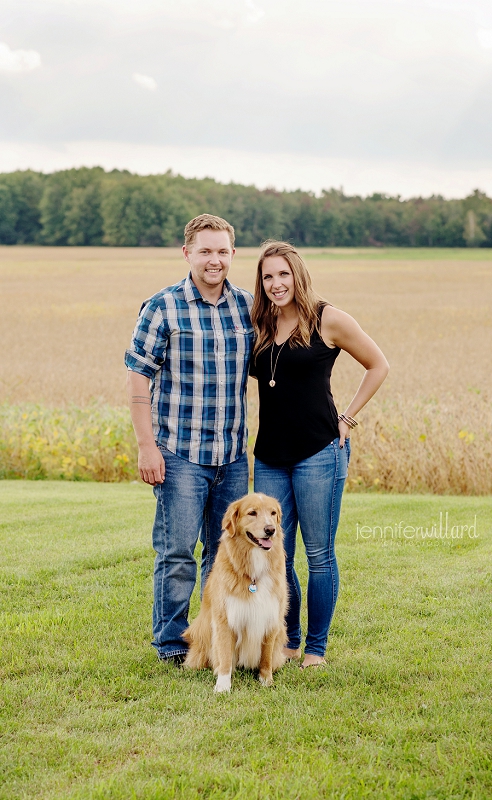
pixel 350 421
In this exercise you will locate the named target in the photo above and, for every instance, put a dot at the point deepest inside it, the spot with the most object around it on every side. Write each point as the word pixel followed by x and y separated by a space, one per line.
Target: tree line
pixel 93 207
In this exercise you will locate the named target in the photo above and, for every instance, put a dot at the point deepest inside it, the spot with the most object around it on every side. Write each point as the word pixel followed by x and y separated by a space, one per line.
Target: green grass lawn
pixel 87 711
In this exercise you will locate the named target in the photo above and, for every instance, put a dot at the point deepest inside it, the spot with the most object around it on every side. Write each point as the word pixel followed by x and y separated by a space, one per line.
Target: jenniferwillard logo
pixel 400 531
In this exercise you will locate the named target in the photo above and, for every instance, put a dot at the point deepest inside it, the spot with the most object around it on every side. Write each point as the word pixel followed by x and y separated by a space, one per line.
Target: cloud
pixel 341 79
pixel 248 13
pixel 485 37
pixel 253 13
pixel 225 24
pixel 145 81
pixel 18 60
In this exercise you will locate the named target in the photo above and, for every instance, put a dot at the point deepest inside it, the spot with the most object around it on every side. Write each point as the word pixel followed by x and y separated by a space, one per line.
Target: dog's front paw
pixel 223 683
pixel 266 679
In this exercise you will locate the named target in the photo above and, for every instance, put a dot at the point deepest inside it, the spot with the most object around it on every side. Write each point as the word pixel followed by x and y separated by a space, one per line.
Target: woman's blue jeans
pixel 191 502
pixel 310 493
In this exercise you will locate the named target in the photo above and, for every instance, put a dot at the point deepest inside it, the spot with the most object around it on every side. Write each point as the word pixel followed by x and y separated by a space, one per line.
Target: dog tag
pixel 252 587
pixel 271 383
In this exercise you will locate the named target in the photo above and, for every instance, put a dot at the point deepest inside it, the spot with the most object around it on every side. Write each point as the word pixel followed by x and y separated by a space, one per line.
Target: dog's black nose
pixel 269 530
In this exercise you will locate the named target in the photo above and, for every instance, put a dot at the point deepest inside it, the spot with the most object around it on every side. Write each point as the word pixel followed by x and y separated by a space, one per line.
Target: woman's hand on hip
pixel 344 431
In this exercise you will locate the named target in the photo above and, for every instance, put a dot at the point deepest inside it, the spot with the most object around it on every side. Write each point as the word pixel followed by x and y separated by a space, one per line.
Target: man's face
pixel 210 258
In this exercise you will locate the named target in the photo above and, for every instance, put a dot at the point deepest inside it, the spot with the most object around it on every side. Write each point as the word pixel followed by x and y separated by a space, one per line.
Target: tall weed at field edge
pixel 403 445
pixel 435 446
pixel 95 443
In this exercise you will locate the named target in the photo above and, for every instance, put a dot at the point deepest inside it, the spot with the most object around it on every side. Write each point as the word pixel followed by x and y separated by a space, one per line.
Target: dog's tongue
pixel 265 543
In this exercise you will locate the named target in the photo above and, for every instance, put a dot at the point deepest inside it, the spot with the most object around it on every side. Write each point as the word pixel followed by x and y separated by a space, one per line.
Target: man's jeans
pixel 190 503
pixel 310 493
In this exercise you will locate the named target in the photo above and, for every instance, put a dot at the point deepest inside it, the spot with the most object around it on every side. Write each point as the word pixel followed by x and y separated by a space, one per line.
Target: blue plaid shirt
pixel 196 356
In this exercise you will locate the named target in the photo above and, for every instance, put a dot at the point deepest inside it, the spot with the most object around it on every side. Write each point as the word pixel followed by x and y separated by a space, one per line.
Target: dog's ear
pixel 230 519
pixel 278 509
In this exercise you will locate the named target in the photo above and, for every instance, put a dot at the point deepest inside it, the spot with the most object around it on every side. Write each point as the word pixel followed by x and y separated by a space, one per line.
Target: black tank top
pixel 298 417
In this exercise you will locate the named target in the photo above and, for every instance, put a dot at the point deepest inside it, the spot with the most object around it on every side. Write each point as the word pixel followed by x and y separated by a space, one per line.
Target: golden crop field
pixel 67 314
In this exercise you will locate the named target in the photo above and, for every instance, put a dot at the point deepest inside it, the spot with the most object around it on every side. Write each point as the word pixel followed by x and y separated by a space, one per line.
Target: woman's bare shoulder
pixel 334 321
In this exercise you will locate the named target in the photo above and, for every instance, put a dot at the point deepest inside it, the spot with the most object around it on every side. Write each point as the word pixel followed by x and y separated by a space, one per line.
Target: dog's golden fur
pixel 237 627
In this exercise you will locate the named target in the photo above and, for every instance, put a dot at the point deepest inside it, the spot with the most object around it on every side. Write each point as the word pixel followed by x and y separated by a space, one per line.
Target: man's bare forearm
pixel 150 462
pixel 140 407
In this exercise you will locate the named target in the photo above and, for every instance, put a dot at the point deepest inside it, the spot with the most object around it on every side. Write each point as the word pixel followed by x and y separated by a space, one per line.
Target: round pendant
pixel 272 383
pixel 252 587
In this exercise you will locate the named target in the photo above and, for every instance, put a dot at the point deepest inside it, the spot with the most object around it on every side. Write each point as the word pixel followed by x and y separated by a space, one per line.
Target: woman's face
pixel 278 281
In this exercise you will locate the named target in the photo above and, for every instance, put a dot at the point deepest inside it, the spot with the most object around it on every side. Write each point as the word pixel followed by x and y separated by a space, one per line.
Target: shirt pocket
pixel 241 341
pixel 242 331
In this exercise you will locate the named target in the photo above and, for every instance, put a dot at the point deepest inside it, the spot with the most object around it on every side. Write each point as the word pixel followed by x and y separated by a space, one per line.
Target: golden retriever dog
pixel 241 619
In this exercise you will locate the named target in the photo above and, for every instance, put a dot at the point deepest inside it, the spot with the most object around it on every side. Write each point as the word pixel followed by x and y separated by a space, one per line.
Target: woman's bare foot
pixel 292 655
pixel 312 661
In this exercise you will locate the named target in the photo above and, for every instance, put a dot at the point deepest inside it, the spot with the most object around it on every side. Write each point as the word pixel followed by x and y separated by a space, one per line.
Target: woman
pixel 303 447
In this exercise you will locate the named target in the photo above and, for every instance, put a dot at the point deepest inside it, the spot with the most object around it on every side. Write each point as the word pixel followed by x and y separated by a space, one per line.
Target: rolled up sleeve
pixel 148 347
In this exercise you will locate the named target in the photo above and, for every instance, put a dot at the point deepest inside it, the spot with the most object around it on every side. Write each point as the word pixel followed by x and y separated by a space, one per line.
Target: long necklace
pixel 272 367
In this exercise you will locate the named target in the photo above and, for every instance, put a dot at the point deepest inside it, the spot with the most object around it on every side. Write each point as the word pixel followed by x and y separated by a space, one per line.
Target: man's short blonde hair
pixel 203 222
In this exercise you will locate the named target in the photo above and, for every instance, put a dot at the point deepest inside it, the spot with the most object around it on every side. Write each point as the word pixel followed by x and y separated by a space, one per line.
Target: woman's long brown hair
pixel 264 313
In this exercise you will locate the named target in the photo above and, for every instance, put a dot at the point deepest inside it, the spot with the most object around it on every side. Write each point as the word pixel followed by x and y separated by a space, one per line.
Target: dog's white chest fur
pixel 252 619
pixel 258 612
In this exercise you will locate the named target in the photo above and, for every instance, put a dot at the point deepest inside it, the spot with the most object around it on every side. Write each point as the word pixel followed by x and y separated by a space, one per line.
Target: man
pixel 187 374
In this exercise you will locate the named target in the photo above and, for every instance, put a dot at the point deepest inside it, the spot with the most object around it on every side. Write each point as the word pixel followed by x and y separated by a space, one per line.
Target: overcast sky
pixel 374 95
